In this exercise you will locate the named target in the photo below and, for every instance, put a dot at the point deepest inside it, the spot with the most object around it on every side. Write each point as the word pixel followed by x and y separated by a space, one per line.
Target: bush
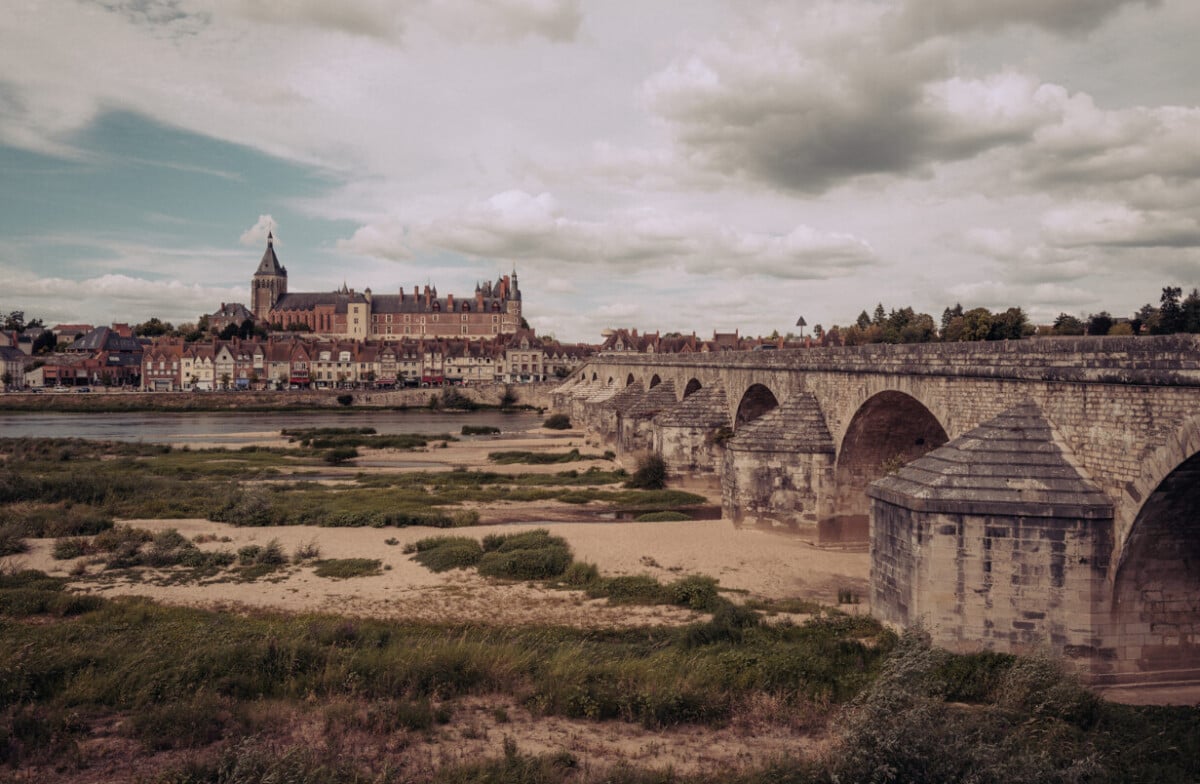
pixel 629 589
pixel 306 551
pixel 345 400
pixel 695 592
pixel 344 568
pixel 651 474
pixel 662 517
pixel 580 574
pixel 533 564
pixel 443 553
pixel 70 547
pixel 479 430
pixel 557 422
pixel 12 541
pixel 340 454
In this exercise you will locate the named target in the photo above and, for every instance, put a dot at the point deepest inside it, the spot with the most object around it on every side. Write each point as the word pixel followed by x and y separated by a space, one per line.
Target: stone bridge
pixel 1038 493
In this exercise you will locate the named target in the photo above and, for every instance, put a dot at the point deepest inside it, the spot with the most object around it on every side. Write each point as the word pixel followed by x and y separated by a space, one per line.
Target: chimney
pixel 450 303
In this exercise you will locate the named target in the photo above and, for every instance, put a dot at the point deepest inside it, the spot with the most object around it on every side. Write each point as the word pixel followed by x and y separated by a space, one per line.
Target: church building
pixel 494 310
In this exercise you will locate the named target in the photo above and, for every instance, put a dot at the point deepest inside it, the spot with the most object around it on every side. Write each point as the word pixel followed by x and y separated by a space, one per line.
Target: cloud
pixel 1118 225
pixel 99 298
pixel 256 235
pixel 518 226
pixel 922 19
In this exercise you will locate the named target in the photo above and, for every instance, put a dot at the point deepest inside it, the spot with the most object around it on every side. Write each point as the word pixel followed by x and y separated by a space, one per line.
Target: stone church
pixel 494 310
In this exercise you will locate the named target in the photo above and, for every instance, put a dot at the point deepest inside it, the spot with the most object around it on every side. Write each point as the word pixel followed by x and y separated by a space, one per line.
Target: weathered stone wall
pixel 688 450
pixel 635 434
pixel 1012 584
pixel 775 488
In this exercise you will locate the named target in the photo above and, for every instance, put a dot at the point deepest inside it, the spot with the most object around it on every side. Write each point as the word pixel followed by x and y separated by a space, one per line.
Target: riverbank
pixel 528 396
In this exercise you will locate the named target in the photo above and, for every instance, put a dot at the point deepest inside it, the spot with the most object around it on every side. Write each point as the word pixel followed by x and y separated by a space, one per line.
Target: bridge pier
pixel 996 540
pixel 778 469
pixel 691 436
pixel 635 423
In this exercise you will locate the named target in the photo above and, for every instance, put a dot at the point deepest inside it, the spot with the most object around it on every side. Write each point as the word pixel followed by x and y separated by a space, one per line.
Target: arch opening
pixel 756 401
pixel 610 381
pixel 887 431
pixel 1156 593
pixel 692 387
pixel 595 377
pixel 654 381
pixel 629 380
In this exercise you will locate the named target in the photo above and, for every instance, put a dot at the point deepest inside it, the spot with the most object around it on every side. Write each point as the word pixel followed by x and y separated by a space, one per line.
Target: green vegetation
pixel 345 568
pixel 895 709
pixel 540 458
pixel 662 517
pixel 70 488
pixel 349 437
pixel 557 422
pixel 479 430
pixel 651 473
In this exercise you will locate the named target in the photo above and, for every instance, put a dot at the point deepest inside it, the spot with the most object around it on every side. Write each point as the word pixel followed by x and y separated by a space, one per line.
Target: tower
pixel 514 297
pixel 269 284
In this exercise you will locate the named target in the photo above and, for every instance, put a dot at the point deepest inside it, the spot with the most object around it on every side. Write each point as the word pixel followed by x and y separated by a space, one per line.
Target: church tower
pixel 269 284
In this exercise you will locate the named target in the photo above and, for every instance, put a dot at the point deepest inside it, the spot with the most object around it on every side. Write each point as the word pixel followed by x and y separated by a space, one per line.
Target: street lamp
pixel 801 323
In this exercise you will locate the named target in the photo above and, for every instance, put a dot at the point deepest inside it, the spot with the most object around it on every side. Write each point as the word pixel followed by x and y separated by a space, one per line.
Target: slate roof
pixel 105 339
pixel 658 398
pixel 624 398
pixel 706 407
pixel 795 426
pixel 1010 465
pixel 270 262
pixel 310 299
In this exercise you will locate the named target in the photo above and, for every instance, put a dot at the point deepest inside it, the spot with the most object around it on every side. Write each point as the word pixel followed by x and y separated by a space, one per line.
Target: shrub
pixel 70 547
pixel 541 563
pixel 340 455
pixel 662 517
pixel 249 554
pixel 628 589
pixel 442 553
pixel 345 400
pixel 12 541
pixel 557 422
pixel 307 551
pixel 479 430
pixel 651 474
pixel 344 568
pixel 695 592
pixel 580 574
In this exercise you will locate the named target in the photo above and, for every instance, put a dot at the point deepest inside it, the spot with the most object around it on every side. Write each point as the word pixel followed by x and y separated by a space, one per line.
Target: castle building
pixel 347 314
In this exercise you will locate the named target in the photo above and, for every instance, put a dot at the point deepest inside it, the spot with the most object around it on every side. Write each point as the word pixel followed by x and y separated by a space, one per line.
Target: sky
pixel 667 166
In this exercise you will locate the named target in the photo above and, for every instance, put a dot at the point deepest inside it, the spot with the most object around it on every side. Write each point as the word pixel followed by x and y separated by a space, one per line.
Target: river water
pixel 236 428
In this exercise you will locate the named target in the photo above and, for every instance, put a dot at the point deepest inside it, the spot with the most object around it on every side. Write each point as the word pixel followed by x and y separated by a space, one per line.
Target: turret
pixel 269 283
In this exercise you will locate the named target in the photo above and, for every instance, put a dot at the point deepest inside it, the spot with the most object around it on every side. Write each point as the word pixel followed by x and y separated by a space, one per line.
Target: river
pixel 237 428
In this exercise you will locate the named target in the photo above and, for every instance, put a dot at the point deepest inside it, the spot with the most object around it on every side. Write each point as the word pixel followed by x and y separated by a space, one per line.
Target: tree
pixel 1170 312
pixel 977 324
pixel 1100 323
pixel 6 379
pixel 230 332
pixel 153 327
pixel 1012 324
pixel 948 315
pixel 225 381
pixel 44 343
pixel 863 321
pixel 1066 324
pixel 15 321
pixel 1191 312
pixel 880 316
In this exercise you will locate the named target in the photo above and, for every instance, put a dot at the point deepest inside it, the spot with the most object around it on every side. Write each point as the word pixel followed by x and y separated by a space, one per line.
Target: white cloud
pixel 256 235
pixel 519 226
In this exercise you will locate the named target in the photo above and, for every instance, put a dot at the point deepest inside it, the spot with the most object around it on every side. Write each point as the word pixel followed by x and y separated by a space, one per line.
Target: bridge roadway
pixel 1020 494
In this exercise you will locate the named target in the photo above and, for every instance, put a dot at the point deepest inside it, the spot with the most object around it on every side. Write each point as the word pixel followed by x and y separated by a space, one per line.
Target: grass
pixel 539 458
pixel 894 708
pixel 345 568
pixel 557 422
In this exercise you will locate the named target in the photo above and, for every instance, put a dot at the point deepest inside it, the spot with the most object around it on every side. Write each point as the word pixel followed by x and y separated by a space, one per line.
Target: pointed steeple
pixel 270 262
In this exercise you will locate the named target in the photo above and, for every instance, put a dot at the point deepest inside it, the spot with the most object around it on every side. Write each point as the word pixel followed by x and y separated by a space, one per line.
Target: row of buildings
pixel 171 365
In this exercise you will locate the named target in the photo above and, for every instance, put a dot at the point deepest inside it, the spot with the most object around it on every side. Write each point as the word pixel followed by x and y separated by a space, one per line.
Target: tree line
pixel 1175 313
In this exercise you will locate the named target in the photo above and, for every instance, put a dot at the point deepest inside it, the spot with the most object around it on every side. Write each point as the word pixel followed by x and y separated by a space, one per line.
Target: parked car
pixel 83 389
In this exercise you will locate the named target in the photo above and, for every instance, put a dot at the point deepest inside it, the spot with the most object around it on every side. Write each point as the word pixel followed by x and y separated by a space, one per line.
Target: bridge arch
pixel 756 401
pixel 595 377
pixel 889 429
pixel 629 380
pixel 692 387
pixel 655 380
pixel 1156 584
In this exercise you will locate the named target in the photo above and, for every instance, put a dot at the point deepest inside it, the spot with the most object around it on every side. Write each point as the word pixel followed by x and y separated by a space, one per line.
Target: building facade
pixel 346 314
